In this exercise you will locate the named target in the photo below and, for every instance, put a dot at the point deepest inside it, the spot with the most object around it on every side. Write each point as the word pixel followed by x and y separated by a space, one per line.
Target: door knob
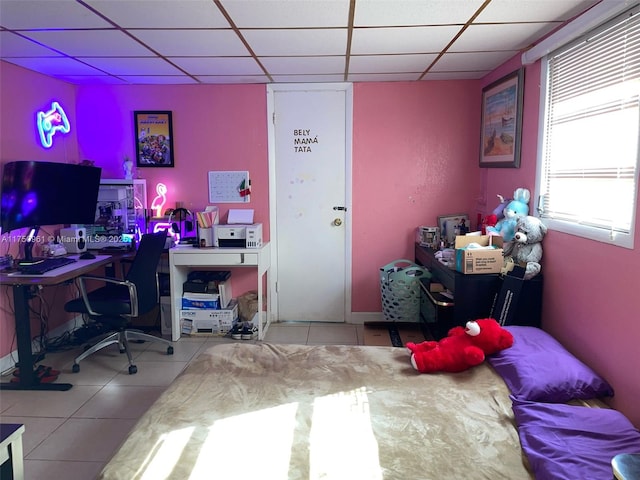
pixel 337 222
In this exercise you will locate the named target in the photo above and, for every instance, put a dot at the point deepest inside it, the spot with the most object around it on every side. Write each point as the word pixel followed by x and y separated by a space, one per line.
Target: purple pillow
pixel 569 442
pixel 538 368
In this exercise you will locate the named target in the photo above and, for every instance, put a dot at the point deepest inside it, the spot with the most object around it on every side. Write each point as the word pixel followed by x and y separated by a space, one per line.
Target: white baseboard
pixel 8 361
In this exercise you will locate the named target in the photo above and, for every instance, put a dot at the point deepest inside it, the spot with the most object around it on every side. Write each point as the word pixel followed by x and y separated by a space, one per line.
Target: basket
pixel 400 290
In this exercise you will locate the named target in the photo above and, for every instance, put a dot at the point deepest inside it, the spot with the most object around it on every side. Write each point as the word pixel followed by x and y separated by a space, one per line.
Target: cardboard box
pixel 219 291
pixel 209 301
pixel 207 321
pixel 473 261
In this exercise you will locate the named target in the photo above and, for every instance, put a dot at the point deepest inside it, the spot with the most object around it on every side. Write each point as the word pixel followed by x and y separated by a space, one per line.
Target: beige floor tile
pixel 157 352
pixel 288 333
pixel 83 439
pixel 159 374
pixel 36 429
pixel 332 335
pixel 50 469
pixel 47 404
pixel 120 401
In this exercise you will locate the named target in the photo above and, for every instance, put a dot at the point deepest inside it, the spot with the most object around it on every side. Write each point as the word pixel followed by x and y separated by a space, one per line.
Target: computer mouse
pixel 87 256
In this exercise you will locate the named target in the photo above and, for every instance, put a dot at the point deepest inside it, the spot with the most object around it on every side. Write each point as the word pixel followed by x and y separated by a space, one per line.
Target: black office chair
pixel 118 301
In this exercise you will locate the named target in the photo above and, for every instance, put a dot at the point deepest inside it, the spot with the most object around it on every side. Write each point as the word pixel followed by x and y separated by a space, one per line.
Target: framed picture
pixel 154 138
pixel 452 225
pixel 502 121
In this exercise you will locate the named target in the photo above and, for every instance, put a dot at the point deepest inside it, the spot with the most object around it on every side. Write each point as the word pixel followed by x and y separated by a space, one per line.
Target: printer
pixel 238 236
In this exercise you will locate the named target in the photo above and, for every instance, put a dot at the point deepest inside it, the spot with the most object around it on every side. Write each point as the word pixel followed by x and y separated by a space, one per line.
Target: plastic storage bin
pixel 400 290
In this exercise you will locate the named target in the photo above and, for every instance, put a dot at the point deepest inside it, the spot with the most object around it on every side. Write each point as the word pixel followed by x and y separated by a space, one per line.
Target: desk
pixel 11 461
pixel 23 286
pixel 186 258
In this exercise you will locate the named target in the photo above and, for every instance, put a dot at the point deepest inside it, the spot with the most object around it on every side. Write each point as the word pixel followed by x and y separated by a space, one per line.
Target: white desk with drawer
pixel 184 259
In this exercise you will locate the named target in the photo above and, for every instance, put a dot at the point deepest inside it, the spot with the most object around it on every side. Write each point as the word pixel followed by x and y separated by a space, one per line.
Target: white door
pixel 310 178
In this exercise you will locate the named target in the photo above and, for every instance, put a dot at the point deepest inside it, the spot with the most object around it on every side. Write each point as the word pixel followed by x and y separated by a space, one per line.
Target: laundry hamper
pixel 400 290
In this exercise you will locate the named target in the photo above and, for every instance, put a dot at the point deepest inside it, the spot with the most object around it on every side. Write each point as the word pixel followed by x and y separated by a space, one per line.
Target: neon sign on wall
pixel 51 122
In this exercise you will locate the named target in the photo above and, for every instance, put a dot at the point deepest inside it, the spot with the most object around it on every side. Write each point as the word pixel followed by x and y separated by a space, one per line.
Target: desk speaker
pixel 74 239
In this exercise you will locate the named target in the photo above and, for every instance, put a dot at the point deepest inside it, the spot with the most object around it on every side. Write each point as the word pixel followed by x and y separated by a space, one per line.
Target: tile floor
pixel 73 434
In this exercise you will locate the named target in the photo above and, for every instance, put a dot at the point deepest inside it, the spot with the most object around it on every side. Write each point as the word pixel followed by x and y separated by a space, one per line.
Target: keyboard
pixel 45 265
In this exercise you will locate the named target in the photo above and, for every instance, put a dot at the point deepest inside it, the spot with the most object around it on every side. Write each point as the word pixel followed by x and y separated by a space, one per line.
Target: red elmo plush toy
pixel 462 348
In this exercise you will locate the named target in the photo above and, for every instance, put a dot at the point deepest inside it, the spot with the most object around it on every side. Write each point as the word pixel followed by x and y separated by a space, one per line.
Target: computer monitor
pixel 47 193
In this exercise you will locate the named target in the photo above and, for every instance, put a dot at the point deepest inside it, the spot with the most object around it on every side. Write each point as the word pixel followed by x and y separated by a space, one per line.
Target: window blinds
pixel 592 128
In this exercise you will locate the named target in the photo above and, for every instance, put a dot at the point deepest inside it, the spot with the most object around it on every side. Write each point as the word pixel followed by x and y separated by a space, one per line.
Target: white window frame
pixel 625 240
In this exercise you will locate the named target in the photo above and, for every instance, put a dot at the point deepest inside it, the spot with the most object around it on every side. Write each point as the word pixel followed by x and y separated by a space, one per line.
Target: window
pixel 588 166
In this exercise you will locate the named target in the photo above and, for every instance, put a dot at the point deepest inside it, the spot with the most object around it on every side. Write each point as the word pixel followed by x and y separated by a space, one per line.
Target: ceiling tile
pixel 133 66
pixel 401 40
pixel 297 42
pixel 515 36
pixel 390 63
pixel 159 80
pixel 383 77
pixel 92 79
pixel 231 79
pixel 90 43
pixel 218 66
pixel 287 13
pixel 307 78
pixel 304 65
pixel 162 13
pixel 12 45
pixel 451 62
pixel 533 10
pixel 55 66
pixel 412 12
pixel 33 14
pixel 455 75
pixel 193 43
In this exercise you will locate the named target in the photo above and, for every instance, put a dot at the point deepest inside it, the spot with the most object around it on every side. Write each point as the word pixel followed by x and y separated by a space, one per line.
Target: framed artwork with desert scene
pixel 502 121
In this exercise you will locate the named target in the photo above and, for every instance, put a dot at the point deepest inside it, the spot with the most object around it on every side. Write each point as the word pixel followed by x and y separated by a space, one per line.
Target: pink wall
pixel 412 161
pixel 591 302
pixel 415 155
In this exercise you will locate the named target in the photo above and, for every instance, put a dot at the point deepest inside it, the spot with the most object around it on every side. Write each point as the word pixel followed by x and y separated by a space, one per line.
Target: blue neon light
pixel 51 122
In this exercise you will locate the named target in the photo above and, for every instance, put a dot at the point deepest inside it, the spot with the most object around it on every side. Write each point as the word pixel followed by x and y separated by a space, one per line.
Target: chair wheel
pixel 133 369
pixel 75 368
pixel 122 350
pixel 169 350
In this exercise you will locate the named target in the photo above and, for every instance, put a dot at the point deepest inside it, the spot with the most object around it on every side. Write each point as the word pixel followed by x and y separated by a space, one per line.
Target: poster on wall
pixel 502 122
pixel 154 138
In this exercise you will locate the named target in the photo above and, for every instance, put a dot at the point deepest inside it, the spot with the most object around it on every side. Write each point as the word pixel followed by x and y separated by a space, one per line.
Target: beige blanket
pixel 271 412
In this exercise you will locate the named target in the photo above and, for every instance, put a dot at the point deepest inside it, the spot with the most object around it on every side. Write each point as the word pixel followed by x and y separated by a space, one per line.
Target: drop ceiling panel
pixel 231 79
pixel 33 14
pixel 264 41
pixel 279 43
pixel 477 61
pixel 90 43
pixel 159 79
pixel 133 66
pixel 193 43
pixel 412 12
pixel 162 13
pixel 401 40
pixel 202 66
pixel 12 45
pixel 55 66
pixel 532 10
pixel 307 78
pixel 390 63
pixel 287 13
pixel 383 77
pixel 484 38
pixel 301 65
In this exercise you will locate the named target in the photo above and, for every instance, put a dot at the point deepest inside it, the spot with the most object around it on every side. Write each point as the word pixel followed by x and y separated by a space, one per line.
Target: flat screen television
pixel 47 193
